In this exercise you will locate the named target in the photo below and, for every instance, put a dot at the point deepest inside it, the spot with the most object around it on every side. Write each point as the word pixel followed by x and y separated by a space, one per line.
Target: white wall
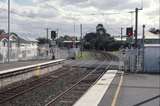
pixel 24 52
pixel 152 59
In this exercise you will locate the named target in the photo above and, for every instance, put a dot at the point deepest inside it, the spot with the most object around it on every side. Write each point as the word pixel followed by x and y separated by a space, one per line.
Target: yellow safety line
pixel 38 71
pixel 117 91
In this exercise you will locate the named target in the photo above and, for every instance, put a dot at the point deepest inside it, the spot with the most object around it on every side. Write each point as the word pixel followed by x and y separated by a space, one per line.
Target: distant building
pixel 152 52
pixel 3 40
pixel 4 46
pixel 21 47
pixel 28 46
pixel 152 58
pixel 151 38
pixel 71 44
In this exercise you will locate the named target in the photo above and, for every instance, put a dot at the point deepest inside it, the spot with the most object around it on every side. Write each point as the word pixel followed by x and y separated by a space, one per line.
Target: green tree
pixel 100 40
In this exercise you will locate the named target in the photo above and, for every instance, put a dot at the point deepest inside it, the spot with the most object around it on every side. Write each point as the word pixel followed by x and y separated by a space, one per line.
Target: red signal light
pixel 129 31
pixel 129 34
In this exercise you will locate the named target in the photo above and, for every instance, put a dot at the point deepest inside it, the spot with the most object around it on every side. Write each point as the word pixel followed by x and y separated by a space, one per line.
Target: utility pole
pixel 81 38
pixel 121 33
pixel 74 29
pixel 143 39
pixel 136 27
pixel 8 54
pixel 47 29
pixel 58 52
pixel 136 36
pixel 135 43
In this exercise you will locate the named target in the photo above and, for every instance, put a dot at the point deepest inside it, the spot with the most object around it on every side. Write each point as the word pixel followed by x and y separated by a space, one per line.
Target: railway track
pixel 73 93
pixel 76 82
pixel 9 94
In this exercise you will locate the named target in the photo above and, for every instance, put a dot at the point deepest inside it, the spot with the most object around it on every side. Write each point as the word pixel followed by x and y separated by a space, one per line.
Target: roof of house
pixel 27 36
pixel 3 36
pixel 22 37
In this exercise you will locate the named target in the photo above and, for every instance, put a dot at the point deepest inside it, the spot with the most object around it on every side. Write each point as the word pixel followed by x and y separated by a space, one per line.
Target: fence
pixel 16 54
pixel 29 53
pixel 133 60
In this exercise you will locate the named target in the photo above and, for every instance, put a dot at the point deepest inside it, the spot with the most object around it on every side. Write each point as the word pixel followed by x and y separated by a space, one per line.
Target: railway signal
pixel 53 35
pixel 129 31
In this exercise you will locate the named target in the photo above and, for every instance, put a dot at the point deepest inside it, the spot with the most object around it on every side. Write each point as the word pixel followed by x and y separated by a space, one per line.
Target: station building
pixel 152 53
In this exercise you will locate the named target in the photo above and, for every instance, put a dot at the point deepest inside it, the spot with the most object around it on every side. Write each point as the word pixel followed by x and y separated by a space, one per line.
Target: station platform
pixel 139 90
pixel 95 94
pixel 19 71
pixel 11 65
pixel 116 88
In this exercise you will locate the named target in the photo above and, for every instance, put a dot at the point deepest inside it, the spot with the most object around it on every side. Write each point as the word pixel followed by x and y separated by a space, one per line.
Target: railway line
pixel 70 95
pixel 76 81
pixel 73 93
pixel 11 93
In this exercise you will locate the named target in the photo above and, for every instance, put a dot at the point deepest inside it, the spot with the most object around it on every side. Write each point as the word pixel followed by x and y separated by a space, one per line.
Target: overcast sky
pixel 33 16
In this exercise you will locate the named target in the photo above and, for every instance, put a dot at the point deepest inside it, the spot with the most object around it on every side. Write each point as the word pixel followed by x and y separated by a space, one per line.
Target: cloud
pixel 104 4
pixel 36 15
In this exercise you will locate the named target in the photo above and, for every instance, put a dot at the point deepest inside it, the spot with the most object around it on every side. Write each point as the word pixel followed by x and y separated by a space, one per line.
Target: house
pixel 28 46
pixel 20 48
pixel 4 46
pixel 3 40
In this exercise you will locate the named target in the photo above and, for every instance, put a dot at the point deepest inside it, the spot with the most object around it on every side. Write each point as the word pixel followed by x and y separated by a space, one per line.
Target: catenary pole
pixel 8 54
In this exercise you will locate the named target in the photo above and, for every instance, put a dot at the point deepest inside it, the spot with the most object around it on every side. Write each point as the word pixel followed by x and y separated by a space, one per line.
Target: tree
pixel 100 40
pixel 90 40
pixel 100 29
pixel 154 30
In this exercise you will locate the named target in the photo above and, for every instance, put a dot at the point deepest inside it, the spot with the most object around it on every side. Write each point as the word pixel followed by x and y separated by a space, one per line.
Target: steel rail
pixel 78 82
pixel 33 85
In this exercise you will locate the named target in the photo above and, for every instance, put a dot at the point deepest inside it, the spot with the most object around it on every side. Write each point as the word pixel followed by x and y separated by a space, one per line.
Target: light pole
pixel 121 33
pixel 8 54
pixel 143 41
pixel 81 39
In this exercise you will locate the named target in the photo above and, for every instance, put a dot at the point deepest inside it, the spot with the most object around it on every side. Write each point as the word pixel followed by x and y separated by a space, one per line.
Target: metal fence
pixel 133 59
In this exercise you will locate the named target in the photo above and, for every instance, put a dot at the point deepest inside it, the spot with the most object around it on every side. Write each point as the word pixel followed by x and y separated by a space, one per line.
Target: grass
pixel 84 55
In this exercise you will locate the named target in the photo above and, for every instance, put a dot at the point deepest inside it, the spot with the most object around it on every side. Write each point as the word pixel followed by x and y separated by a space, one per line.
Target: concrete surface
pixel 94 95
pixel 140 90
pixel 136 90
pixel 11 65
pixel 37 71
